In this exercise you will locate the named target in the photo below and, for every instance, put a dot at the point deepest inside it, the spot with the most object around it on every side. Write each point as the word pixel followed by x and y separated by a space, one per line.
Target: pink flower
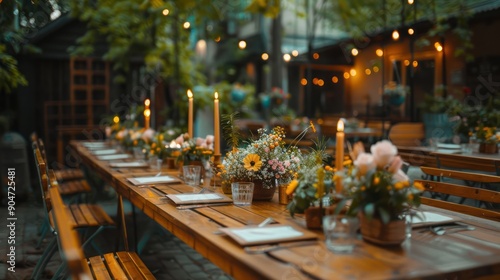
pixel 148 134
pixel 383 153
pixel 395 165
pixel 179 140
pixel 209 139
pixel 200 141
pixel 365 162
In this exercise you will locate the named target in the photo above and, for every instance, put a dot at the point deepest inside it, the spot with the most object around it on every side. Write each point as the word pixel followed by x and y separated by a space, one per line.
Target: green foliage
pixel 439 104
pixel 10 77
pixel 269 8
pixel 230 130
pixel 138 30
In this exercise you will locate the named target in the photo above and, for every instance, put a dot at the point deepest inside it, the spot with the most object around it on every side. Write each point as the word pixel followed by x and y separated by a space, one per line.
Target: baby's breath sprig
pixel 303 133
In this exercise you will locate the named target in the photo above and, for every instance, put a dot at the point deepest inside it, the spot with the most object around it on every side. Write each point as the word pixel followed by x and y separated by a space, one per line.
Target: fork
pixel 442 230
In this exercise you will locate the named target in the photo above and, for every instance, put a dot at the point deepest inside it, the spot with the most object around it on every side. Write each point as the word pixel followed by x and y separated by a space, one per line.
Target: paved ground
pixel 165 255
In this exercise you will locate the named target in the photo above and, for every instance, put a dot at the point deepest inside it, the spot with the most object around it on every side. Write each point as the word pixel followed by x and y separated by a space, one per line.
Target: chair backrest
pixel 449 184
pixel 70 247
pixel 455 161
pixel 407 134
pixel 43 177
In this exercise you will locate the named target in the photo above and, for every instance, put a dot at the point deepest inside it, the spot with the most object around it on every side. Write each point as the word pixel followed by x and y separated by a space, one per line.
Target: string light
pixel 264 56
pixel 346 75
pixel 354 52
pixel 316 55
pixel 335 79
pixel 353 72
pixel 379 52
pixel 295 53
pixel 303 81
pixel 368 71
pixel 242 44
pixel 395 35
pixel 287 57
pixel 165 12
pixel 411 31
pixel 438 46
pixel 186 25
pixel 410 2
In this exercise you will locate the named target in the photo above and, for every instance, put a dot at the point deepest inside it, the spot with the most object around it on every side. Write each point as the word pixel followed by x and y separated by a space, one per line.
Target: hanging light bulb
pixel 379 52
pixel 411 31
pixel 295 53
pixel 410 2
pixel 395 35
pixel 354 52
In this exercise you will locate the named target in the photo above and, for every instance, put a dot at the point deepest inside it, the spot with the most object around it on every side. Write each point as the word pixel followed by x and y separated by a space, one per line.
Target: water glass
pixel 340 233
pixel 138 153
pixel 191 174
pixel 242 193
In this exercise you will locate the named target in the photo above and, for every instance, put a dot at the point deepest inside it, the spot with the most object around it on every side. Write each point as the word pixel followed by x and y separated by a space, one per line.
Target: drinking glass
pixel 242 193
pixel 340 233
pixel 191 174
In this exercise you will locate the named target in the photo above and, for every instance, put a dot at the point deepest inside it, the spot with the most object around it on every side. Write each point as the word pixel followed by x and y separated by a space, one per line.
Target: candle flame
pixel 216 94
pixel 190 94
pixel 340 126
pixel 147 102
pixel 147 113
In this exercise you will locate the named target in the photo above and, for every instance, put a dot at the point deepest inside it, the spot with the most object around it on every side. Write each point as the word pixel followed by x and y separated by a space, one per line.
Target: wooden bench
pixel 462 191
pixel 115 265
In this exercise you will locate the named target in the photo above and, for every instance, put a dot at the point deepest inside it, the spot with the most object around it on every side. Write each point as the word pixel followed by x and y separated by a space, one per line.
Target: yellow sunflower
pixel 252 162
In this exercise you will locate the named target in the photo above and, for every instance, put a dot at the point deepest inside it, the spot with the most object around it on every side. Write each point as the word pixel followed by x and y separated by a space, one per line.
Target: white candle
pixel 190 113
pixel 216 124
pixel 147 113
pixel 339 154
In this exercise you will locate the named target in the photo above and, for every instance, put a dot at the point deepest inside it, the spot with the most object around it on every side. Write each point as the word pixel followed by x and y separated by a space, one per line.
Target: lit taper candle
pixel 147 113
pixel 339 154
pixel 190 113
pixel 216 124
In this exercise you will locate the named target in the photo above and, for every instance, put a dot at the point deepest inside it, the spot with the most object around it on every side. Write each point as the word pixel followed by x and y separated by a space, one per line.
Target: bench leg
pixel 44 259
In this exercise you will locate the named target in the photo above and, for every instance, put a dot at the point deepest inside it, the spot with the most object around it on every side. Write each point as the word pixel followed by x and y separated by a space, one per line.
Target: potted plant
pixel 311 188
pixel 481 124
pixel 396 93
pixel 437 114
pixel 380 193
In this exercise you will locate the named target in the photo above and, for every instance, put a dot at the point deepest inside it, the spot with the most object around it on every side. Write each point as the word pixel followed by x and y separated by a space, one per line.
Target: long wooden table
pixel 461 255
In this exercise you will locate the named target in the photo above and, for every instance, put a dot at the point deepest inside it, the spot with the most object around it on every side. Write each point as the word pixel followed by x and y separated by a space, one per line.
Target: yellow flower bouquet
pixel 267 159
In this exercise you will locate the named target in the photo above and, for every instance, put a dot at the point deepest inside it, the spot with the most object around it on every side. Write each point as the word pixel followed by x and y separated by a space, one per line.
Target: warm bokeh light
pixel 264 56
pixel 354 52
pixel 315 81
pixel 406 62
pixel 316 55
pixel 189 93
pixel 368 71
pixel 242 44
pixel 217 39
pixel 379 52
pixel 410 2
pixel 353 72
pixel 165 12
pixel 375 69
pixel 186 25
pixel 295 53
pixel 147 102
pixel 395 35
pixel 438 46
pixel 335 79
pixel 411 31
pixel 287 57
pixel 147 113
pixel 346 75
pixel 321 82
pixel 415 63
pixel 303 81
pixel 116 119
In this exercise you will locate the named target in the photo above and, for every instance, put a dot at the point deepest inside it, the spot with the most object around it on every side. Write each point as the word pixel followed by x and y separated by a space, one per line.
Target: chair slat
pixel 114 267
pixel 142 267
pixel 99 269
pixel 88 215
pixel 129 266
pixel 100 215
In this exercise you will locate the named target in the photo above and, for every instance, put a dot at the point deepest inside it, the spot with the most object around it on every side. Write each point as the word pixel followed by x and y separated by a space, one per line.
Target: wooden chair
pixel 488 197
pixel 407 134
pixel 82 216
pixel 63 174
pixel 114 265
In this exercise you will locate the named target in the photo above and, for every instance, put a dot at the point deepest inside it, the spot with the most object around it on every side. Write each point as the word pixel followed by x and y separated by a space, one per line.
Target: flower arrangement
pixel 376 185
pixel 488 135
pixel 195 149
pixel 313 181
pixel 266 159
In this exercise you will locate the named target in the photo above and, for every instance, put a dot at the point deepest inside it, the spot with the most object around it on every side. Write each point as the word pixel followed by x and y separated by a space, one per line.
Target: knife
pixel 184 207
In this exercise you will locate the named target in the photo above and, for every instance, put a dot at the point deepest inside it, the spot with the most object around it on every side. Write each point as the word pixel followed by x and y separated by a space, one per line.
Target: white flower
pixel 383 153
pixel 148 134
pixel 400 176
pixel 364 162
pixel 395 165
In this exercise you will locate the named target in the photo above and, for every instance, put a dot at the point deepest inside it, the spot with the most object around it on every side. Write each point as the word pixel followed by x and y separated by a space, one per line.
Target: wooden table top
pixel 465 254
